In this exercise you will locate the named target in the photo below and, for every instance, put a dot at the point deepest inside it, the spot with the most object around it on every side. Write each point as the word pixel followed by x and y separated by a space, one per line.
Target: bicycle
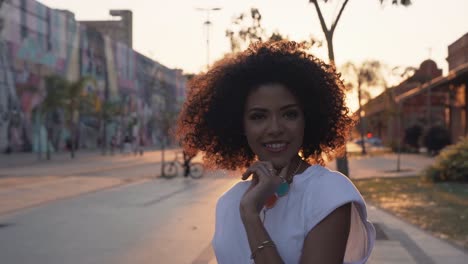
pixel 171 168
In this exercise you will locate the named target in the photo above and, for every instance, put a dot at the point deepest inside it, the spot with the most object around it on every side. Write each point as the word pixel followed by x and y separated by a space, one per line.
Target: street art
pixel 37 41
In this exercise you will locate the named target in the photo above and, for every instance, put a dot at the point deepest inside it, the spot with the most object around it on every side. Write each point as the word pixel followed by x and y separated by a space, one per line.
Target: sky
pixel 173 32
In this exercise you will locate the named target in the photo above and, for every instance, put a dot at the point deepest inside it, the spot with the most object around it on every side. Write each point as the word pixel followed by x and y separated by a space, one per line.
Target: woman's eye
pixel 256 116
pixel 291 114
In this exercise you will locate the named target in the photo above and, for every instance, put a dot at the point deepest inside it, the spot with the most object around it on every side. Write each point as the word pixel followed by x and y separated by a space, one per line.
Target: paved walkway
pixel 385 165
pixel 397 241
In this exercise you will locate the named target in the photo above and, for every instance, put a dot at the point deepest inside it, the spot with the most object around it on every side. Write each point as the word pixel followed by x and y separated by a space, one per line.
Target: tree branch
pixel 338 16
pixel 322 20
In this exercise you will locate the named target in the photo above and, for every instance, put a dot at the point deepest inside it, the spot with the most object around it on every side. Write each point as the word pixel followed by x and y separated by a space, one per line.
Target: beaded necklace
pixel 282 189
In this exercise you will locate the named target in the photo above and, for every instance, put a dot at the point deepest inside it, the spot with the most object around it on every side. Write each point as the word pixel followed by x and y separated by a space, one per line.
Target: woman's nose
pixel 275 126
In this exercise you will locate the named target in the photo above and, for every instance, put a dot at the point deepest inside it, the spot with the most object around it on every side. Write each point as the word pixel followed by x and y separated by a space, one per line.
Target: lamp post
pixel 208 23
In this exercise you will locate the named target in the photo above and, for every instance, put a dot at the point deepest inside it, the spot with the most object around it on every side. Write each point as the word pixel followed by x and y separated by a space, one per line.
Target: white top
pixel 313 195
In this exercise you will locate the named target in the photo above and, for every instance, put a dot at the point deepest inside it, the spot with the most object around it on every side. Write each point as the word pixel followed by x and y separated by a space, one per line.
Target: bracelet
pixel 266 243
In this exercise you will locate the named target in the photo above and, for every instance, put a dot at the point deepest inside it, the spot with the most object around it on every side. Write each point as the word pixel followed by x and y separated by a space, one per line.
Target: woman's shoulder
pixel 318 177
pixel 322 189
pixel 233 194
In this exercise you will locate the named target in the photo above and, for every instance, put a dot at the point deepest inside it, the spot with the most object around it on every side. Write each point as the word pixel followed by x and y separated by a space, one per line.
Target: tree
pixel 364 77
pixel 164 111
pixel 54 100
pixel 342 162
pixel 248 32
pixel 76 100
pixel 328 32
pixel 412 136
pixel 105 111
pixel 436 138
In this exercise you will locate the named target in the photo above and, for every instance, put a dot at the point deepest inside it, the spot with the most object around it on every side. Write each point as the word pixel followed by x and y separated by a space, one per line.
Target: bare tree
pixel 247 28
pixel 341 162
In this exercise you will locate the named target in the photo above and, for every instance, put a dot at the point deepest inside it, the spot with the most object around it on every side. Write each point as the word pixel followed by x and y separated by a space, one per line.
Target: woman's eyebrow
pixel 261 109
pixel 257 109
pixel 289 106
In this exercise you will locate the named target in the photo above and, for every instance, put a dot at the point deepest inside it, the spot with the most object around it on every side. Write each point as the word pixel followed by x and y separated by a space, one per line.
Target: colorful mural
pixel 37 41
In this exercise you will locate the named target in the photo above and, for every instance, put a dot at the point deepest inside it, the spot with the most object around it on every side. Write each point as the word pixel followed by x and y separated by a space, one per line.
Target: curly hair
pixel 211 119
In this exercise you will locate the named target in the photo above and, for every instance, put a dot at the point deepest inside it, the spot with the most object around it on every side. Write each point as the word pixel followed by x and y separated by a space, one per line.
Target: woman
pixel 274 111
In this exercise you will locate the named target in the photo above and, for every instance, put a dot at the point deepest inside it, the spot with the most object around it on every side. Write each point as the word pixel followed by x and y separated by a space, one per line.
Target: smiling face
pixel 273 124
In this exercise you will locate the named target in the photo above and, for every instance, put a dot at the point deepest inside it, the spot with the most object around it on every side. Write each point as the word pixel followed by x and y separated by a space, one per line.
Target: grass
pixel 440 208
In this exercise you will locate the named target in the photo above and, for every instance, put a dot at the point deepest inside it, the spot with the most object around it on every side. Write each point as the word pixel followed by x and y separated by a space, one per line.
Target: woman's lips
pixel 276 147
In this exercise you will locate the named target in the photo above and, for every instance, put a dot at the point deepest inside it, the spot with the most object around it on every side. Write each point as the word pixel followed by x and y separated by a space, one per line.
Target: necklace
pixel 282 189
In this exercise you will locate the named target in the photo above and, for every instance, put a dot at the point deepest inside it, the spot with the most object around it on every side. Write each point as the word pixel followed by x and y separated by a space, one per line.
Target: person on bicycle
pixel 187 159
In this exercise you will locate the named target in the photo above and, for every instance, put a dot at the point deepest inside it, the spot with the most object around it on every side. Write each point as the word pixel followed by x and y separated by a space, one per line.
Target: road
pixel 154 221
pixel 116 210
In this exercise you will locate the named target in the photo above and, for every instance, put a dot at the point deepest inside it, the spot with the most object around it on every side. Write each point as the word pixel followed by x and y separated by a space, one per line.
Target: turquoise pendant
pixel 282 189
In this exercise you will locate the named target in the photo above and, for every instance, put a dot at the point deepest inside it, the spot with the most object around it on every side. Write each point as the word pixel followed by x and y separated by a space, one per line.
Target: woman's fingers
pixel 260 169
pixel 264 170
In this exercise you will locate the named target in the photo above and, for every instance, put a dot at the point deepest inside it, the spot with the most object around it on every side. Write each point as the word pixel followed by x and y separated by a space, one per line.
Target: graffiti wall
pixel 36 42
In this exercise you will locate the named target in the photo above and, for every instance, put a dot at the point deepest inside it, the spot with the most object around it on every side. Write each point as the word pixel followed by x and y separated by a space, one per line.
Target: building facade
pixel 426 99
pixel 120 30
pixel 37 41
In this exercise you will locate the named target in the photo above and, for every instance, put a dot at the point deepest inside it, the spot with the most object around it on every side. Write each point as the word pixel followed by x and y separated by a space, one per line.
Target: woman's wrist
pixel 248 213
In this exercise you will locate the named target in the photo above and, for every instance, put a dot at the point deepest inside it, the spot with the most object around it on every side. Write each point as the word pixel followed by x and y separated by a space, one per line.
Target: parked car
pixel 374 141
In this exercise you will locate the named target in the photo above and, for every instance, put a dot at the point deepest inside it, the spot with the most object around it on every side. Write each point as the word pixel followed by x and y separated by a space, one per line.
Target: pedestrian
pixel 274 111
pixel 186 163
pixel 127 145
pixel 141 144
pixel 113 144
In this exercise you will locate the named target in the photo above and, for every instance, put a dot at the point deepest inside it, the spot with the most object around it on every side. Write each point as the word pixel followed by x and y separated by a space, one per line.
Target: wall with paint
pixel 37 41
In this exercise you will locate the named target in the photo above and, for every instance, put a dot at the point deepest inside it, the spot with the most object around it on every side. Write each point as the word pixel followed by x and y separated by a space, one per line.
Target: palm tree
pixel 367 75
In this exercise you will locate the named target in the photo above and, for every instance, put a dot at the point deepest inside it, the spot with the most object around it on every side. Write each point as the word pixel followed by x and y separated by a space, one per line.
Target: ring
pixel 282 178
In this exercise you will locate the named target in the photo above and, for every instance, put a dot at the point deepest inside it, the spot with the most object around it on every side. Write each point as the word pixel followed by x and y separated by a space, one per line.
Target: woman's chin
pixel 279 164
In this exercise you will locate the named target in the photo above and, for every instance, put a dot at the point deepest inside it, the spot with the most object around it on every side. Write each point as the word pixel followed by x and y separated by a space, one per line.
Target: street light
pixel 208 23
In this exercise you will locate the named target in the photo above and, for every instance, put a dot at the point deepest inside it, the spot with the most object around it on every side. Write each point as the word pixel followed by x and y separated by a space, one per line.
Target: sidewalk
pixel 28 158
pixel 26 182
pixel 385 165
pixel 403 243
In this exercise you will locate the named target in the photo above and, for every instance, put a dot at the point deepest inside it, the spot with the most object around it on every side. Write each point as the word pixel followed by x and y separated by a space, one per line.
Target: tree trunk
pixel 341 162
pixel 162 156
pixel 331 53
pixel 72 140
pixel 39 132
pixel 361 124
pixel 73 133
pixel 103 136
pixel 49 138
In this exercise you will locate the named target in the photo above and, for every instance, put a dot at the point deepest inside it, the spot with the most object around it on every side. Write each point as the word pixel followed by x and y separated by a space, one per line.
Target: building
pixel 120 30
pixel 425 99
pixel 458 53
pixel 37 41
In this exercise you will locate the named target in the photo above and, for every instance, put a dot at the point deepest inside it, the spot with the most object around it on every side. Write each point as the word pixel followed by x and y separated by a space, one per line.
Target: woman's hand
pixel 265 180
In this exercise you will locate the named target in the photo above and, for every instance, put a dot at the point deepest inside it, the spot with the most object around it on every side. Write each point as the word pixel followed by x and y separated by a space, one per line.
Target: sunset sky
pixel 172 31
